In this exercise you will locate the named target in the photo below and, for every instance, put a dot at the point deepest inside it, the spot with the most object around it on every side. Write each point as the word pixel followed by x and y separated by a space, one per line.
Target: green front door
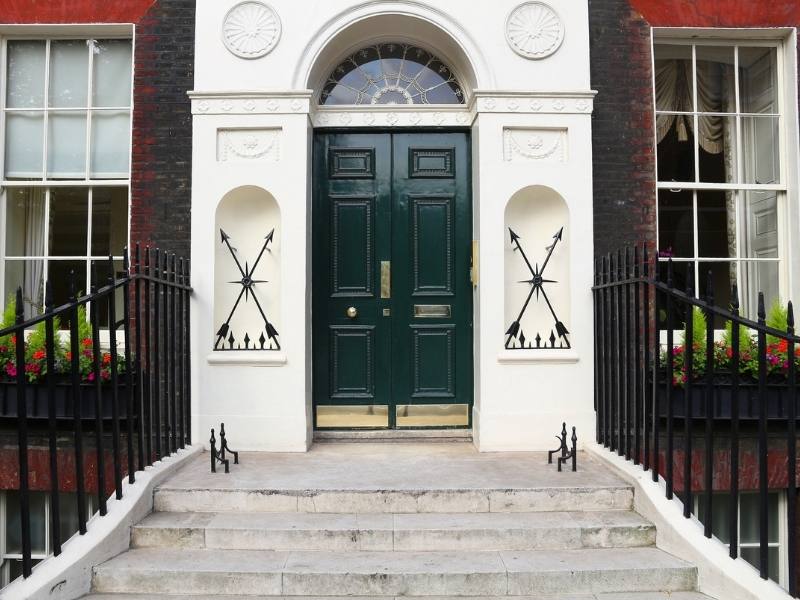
pixel 391 269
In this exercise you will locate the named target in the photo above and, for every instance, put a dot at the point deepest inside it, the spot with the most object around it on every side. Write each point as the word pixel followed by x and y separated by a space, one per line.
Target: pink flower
pixel 90 376
pixel 11 370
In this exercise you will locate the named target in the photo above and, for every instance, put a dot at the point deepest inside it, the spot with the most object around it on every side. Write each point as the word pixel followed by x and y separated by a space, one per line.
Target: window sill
pixel 244 358
pixel 538 356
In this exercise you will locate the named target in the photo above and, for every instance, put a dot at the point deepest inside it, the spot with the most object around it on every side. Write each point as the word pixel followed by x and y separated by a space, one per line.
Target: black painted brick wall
pixel 623 138
pixel 162 127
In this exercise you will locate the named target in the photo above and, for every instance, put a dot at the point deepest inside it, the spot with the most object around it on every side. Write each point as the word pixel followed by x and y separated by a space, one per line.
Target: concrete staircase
pixel 564 538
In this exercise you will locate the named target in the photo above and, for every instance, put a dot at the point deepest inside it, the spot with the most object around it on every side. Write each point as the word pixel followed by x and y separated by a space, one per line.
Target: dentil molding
pixel 534 30
pixel 251 29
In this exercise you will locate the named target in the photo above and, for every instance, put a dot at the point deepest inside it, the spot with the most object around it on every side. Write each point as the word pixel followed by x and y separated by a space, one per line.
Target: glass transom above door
pixel 391 73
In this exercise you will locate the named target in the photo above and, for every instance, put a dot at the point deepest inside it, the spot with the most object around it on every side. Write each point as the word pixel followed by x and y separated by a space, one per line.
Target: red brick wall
pixel 73 11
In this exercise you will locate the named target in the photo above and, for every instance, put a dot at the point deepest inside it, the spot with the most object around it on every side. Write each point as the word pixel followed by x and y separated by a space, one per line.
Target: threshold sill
pixel 247 358
pixel 538 356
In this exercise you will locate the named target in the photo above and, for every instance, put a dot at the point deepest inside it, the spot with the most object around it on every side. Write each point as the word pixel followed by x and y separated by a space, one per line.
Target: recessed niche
pixel 537 271
pixel 247 277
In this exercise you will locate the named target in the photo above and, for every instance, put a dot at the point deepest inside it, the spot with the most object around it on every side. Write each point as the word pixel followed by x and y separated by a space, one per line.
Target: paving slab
pixel 370 467
pixel 492 574
pixel 394 478
pixel 386 532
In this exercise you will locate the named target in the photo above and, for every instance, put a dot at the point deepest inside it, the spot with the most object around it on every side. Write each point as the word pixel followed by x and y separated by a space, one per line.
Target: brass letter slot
pixel 432 311
pixel 386 279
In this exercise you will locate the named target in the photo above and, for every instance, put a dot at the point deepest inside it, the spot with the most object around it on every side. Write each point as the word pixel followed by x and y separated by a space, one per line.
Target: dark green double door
pixel 392 331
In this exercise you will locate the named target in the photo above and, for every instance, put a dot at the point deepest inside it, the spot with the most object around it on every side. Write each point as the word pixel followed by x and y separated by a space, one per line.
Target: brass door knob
pixel 352 312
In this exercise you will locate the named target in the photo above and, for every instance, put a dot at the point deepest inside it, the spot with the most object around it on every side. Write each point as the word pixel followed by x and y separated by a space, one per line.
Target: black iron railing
pixel 676 394
pixel 138 385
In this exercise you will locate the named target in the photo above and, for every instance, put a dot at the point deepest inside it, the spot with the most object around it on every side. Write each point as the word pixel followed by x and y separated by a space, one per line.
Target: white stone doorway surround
pixel 530 123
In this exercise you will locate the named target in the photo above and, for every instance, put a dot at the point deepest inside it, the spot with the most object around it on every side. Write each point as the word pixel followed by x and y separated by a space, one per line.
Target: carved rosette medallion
pixel 534 30
pixel 251 29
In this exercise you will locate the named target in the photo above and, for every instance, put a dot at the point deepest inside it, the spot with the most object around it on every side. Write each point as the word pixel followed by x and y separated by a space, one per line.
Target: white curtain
pixel 33 282
pixel 714 94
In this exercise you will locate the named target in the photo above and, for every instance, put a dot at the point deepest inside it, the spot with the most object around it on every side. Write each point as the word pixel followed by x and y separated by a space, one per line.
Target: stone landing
pixel 395 521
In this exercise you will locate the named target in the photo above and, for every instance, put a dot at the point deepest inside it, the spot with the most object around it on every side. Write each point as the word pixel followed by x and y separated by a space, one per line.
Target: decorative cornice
pixel 243 102
pixel 562 102
pixel 250 102
pixel 393 116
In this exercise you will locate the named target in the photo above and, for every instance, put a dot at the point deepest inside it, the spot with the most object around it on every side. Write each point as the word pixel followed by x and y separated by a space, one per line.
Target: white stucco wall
pixel 531 126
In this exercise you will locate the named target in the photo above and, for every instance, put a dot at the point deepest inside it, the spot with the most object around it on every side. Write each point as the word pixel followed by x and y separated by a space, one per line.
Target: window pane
pixel 717 141
pixel 68 505
pixel 716 82
pixel 752 555
pixel 111 133
pixel 66 145
pixel 25 221
pixel 15 568
pixel 112 73
pixel 26 67
pixel 109 221
pixel 758 69
pixel 24 139
pixel 13 522
pixel 673 74
pixel 716 224
pixel 760 224
pixel 59 275
pixel 675 223
pixel 760 154
pixel 761 276
pixel 69 74
pixel 69 219
pixel 750 518
pixel 101 274
pixel 675 148
pixel 721 514
pixel 28 274
pixel 723 275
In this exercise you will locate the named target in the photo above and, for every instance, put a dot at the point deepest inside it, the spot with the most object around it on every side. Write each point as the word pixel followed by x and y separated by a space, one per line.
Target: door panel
pixel 392 297
pixel 352 203
pixel 432 259
pixel 432 232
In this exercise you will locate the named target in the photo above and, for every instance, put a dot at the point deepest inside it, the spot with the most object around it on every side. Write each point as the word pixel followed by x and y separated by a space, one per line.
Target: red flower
pixel 106 358
pixel 14 339
pixel 68 355
pixel 39 355
pixel 87 342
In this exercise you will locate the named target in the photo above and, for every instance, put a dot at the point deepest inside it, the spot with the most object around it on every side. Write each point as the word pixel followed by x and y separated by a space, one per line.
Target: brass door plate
pixel 386 279
pixel 432 311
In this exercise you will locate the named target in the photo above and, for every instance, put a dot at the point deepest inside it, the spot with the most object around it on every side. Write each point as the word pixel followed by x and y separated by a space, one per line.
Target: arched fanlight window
pixel 392 73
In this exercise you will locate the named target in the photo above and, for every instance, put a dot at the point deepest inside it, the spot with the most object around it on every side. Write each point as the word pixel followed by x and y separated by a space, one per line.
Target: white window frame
pixel 784 41
pixel 49 34
pixel 5 574
pixel 783 532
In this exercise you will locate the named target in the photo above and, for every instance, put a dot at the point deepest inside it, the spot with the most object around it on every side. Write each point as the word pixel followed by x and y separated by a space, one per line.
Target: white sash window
pixel 721 166
pixel 66 128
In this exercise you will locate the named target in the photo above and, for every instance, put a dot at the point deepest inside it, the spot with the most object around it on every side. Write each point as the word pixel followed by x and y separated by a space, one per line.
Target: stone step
pixel 545 499
pixel 615 596
pixel 506 573
pixel 400 532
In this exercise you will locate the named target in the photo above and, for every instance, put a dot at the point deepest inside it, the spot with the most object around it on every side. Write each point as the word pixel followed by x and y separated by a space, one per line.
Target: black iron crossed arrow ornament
pixel 248 290
pixel 516 337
